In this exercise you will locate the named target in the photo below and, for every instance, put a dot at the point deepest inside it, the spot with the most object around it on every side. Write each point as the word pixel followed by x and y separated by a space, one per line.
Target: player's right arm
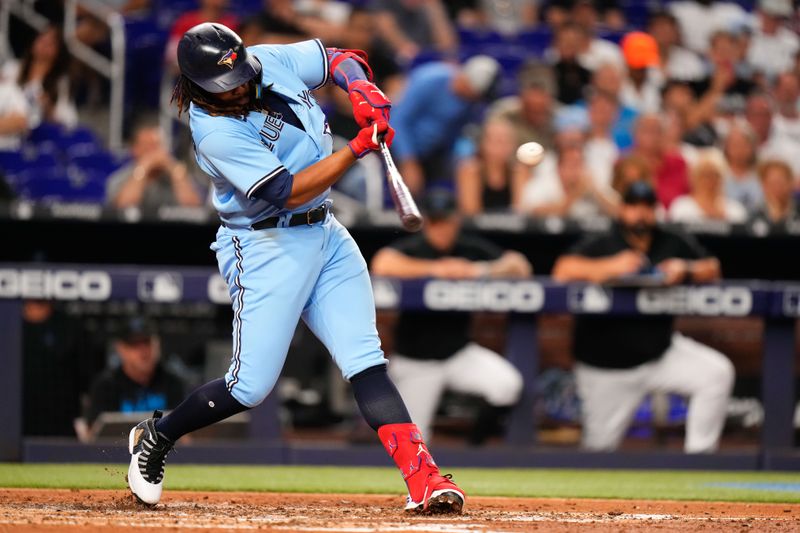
pixel 394 263
pixel 574 267
pixel 256 172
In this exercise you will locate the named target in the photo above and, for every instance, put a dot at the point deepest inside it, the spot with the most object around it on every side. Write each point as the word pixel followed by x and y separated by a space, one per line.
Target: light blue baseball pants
pixel 277 276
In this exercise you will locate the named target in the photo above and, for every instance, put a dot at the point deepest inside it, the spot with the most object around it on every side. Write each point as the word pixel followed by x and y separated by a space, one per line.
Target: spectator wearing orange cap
pixel 642 88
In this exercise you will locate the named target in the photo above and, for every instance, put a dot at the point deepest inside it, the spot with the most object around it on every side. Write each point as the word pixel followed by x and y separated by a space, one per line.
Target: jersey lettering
pixel 271 130
pixel 307 98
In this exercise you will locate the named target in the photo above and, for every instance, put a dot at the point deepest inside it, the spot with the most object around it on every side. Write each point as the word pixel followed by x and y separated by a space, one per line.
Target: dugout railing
pixel 776 303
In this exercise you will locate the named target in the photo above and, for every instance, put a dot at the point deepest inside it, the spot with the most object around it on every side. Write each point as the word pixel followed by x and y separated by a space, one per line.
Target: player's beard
pixel 249 101
pixel 639 229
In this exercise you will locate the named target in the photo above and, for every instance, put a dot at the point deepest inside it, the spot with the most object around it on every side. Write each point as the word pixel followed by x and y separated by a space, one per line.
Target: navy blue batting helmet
pixel 213 57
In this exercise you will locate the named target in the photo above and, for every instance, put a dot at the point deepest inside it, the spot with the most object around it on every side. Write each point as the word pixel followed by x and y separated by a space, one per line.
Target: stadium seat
pixel 167 11
pixel 100 162
pixel 479 37
pixel 243 8
pixel 144 58
pixel 425 56
pixel 43 183
pixel 610 35
pixel 537 40
pixel 46 131
pixel 12 162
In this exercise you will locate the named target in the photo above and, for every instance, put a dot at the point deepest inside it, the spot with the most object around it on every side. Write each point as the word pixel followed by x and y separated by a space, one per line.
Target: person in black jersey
pixel 434 352
pixel 140 382
pixel 622 359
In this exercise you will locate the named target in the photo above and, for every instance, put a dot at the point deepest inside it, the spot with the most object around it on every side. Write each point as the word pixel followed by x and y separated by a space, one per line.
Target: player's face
pixel 638 218
pixel 238 96
pixel 442 233
pixel 138 356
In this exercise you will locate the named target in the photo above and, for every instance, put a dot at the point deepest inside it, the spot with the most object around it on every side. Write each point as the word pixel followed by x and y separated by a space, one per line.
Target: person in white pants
pixel 620 360
pixel 433 351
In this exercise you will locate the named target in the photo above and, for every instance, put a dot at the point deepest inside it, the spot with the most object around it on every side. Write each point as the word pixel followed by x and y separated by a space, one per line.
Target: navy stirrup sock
pixel 378 399
pixel 206 405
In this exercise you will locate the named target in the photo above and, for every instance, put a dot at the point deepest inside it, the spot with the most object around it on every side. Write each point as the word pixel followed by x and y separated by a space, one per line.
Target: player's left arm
pixel 511 264
pixel 349 69
pixel 693 264
pixel 351 72
pixel 499 263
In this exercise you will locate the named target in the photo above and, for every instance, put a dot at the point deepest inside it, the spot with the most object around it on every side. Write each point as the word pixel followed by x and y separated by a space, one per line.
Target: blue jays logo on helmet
pixel 228 59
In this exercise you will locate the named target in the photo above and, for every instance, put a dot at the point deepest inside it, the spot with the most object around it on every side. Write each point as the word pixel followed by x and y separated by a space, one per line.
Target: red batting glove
pixel 369 103
pixel 368 139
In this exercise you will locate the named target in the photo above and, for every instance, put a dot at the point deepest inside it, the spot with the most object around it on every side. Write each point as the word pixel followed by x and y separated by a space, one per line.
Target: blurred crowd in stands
pixel 700 98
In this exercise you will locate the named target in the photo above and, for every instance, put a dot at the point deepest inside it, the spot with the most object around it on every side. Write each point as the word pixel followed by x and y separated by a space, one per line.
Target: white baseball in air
pixel 530 153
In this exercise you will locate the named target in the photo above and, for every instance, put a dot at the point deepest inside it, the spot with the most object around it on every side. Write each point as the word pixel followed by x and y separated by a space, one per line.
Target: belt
pixel 312 216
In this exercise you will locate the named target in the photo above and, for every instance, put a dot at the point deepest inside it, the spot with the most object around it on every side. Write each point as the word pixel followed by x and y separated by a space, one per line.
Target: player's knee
pixel 251 394
pixel 724 375
pixel 506 389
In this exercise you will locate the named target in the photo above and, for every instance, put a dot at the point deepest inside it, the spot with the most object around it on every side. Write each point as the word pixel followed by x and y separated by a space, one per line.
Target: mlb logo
pixel 589 299
pixel 791 301
pixel 162 287
pixel 386 293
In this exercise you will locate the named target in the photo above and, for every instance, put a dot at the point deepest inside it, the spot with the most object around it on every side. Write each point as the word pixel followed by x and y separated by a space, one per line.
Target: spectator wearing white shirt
pixel 677 62
pixel 771 144
pixel 15 118
pixel 786 94
pixel 601 151
pixel 707 200
pixel 772 45
pixel 698 19
pixel 741 180
pixel 570 193
pixel 41 74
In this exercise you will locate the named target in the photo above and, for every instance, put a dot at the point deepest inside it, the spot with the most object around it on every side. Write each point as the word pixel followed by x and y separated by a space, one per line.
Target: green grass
pixel 622 484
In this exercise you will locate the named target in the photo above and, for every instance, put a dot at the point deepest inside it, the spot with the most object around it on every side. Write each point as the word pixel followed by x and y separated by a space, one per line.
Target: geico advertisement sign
pixel 711 300
pixel 521 296
pixel 89 285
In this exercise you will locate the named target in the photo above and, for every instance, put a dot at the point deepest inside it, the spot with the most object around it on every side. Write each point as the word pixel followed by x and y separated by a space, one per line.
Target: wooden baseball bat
pixel 403 201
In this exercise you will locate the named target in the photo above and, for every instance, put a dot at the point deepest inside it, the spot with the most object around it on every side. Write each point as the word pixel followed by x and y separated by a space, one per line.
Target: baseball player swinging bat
pixel 403 201
pixel 265 142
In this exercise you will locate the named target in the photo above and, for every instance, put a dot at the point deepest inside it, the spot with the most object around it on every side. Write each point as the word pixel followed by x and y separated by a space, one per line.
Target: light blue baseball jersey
pixel 242 155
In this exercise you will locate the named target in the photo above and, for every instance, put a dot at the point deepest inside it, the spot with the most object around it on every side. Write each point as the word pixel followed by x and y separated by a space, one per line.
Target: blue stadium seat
pixel 243 8
pixel 61 184
pixel 480 37
pixel 98 163
pixel 536 41
pixel 144 62
pixel 425 56
pixel 78 136
pixel 167 11
pixel 637 12
pixel 12 162
pixel 610 35
pixel 46 131
pixel 43 183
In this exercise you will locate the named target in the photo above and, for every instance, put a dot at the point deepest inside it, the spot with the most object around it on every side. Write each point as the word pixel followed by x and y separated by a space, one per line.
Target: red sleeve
pixel 672 179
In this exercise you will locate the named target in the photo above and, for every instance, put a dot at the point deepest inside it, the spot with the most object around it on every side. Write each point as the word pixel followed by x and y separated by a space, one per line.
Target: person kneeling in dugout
pixel 434 352
pixel 622 359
